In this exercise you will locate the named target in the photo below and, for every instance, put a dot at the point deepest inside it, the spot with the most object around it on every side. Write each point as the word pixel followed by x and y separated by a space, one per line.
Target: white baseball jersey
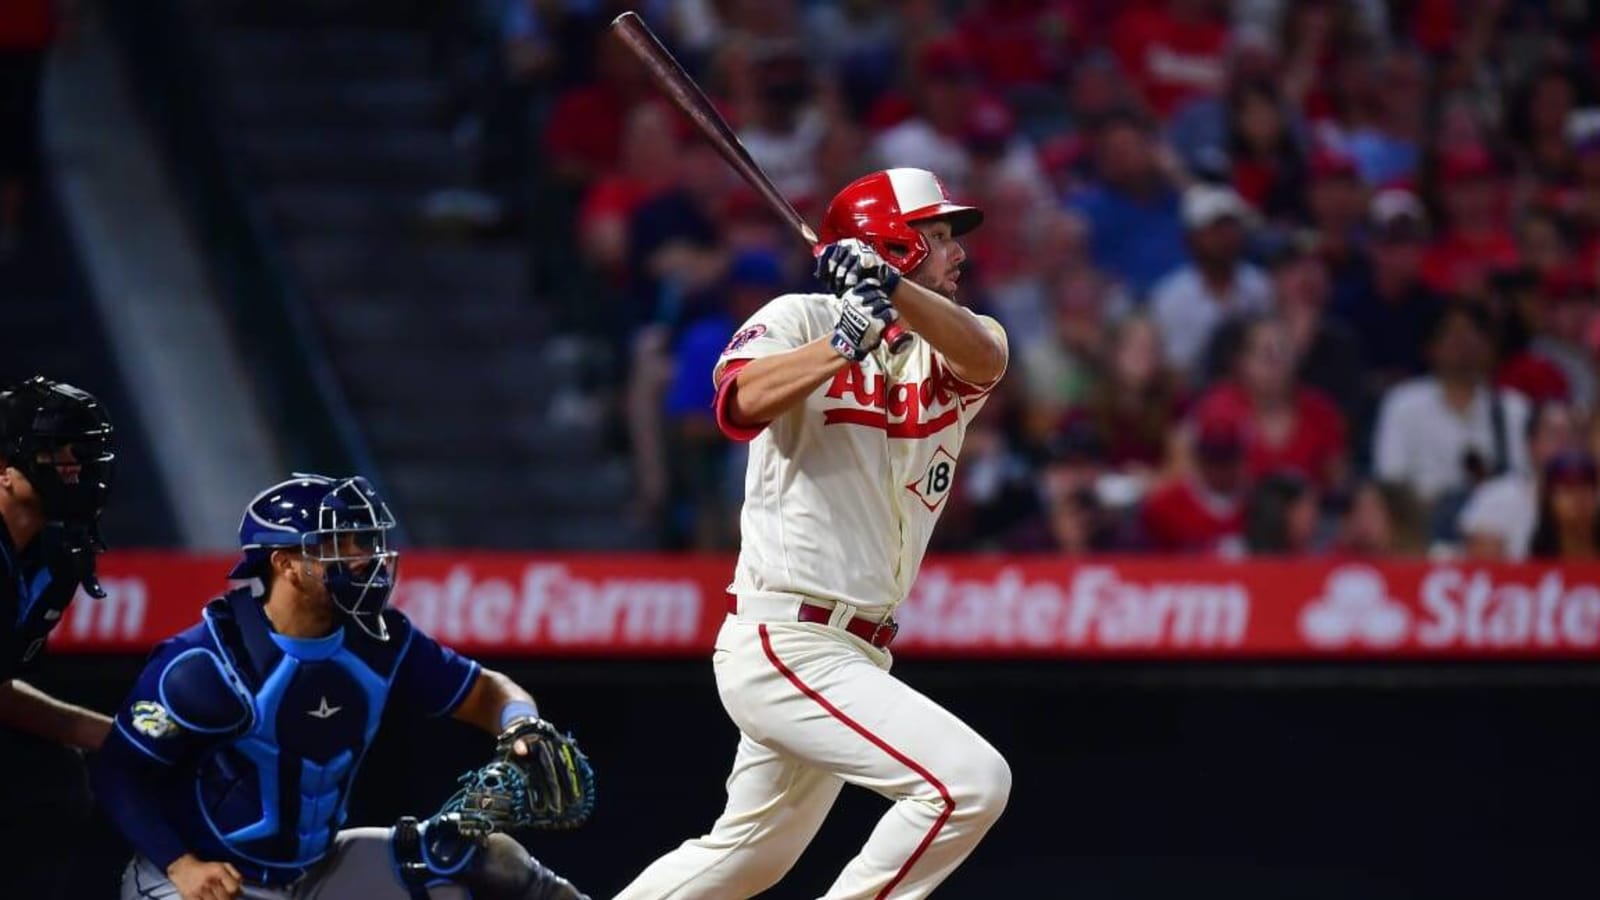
pixel 842 491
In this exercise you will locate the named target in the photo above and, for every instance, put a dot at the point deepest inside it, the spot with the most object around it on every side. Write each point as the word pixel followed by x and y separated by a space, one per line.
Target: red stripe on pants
pixel 881 744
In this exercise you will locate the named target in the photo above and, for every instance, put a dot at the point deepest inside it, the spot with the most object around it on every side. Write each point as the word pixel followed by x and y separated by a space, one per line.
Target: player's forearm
pixel 124 781
pixel 26 708
pixel 493 701
pixel 970 348
pixel 768 387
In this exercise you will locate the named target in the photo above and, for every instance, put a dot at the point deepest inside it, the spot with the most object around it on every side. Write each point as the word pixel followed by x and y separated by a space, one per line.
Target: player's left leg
pixel 364 864
pixel 829 700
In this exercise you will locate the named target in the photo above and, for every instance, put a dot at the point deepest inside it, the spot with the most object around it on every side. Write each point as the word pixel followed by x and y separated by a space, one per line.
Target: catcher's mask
pixel 59 437
pixel 343 524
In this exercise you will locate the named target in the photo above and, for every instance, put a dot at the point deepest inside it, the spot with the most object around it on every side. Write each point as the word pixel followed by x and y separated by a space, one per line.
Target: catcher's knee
pixel 504 870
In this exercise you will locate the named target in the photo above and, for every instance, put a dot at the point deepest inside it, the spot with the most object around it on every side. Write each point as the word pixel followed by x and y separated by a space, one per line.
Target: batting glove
pixel 844 264
pixel 866 313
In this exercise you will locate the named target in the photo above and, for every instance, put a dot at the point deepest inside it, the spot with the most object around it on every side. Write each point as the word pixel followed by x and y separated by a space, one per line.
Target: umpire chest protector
pixel 33 596
pixel 299 715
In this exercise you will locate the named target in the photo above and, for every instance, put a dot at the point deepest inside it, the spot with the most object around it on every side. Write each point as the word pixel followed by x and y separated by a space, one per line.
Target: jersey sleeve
pixel 787 322
pixel 972 396
pixel 431 679
pixel 183 703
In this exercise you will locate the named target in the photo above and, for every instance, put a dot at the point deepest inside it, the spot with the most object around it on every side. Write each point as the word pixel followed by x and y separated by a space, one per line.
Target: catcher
pixel 230 764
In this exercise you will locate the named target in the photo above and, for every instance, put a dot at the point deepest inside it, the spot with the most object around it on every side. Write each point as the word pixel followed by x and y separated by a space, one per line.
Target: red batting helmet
pixel 880 209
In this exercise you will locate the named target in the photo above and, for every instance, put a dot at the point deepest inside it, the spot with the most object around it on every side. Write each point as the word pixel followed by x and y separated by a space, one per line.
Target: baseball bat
pixel 676 84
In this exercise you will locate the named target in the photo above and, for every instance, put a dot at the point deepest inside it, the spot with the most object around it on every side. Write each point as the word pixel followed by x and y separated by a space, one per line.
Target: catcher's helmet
pixel 880 209
pixel 319 516
pixel 38 419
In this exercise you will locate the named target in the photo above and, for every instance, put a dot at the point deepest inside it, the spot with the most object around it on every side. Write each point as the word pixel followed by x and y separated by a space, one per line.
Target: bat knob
pixel 896 337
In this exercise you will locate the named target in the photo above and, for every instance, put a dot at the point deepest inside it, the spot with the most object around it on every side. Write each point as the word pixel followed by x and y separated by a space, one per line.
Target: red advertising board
pixel 595 606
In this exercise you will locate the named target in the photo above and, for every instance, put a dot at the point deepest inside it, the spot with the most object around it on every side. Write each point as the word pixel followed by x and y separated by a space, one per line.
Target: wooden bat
pixel 677 84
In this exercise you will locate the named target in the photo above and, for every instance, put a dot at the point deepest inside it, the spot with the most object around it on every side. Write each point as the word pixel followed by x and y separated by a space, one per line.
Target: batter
pixel 853 451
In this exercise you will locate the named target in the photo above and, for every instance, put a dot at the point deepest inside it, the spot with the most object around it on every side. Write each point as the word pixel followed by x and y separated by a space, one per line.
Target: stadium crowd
pixel 1279 277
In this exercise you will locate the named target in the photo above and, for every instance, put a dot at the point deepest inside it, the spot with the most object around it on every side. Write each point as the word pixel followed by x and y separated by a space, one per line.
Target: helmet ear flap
pixel 904 254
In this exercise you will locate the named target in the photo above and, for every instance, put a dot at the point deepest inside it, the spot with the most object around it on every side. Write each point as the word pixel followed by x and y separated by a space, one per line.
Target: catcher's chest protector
pixel 277 792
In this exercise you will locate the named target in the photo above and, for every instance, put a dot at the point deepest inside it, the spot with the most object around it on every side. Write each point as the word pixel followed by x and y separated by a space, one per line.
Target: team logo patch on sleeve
pixel 152 719
pixel 744 337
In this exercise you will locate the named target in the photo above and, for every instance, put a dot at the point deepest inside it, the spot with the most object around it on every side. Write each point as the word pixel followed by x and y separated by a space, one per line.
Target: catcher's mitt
pixel 551 786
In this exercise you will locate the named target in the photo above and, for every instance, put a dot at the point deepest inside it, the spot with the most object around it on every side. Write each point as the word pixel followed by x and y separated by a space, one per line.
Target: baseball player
pixel 55 472
pixel 853 449
pixel 230 764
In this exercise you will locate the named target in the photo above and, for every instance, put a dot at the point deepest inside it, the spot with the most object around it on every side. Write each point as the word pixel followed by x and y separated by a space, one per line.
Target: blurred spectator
pixel 671 412
pixel 1386 142
pixel 1394 311
pixel 1192 302
pixel 28 28
pixel 1328 354
pixel 1287 427
pixel 1500 516
pixel 944 90
pixel 1475 241
pixel 1281 516
pixel 1316 35
pixel 1536 118
pixel 1173 50
pixel 1544 242
pixel 1559 315
pixel 1517 295
pixel 856 41
pixel 1585 202
pixel 1135 224
pixel 1136 402
pixel 583 137
pixel 1051 248
pixel 1337 200
pixel 1380 520
pixel 1266 162
pixel 1022 43
pixel 1442 434
pixel 1096 91
pixel 649 167
pixel 675 246
pixel 996 490
pixel 1059 372
pixel 784 128
pixel 1569 501
pixel 1000 157
pixel 1202 510
pixel 1072 519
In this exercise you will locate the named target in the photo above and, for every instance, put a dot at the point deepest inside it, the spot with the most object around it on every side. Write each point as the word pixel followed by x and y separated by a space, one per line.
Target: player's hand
pixel 196 879
pixel 867 312
pixel 843 264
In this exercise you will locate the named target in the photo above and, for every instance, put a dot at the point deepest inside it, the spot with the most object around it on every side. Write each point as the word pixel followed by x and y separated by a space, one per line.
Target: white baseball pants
pixel 817 708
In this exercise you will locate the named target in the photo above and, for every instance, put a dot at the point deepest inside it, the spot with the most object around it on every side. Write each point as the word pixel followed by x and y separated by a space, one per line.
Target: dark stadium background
pixel 1266 779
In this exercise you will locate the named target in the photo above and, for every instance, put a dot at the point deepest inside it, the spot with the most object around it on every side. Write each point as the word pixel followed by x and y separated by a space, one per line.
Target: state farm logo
pixel 550 604
pixel 1096 608
pixel 1355 607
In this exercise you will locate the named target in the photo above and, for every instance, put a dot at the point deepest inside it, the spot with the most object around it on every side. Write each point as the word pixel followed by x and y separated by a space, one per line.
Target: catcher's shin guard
pixel 506 871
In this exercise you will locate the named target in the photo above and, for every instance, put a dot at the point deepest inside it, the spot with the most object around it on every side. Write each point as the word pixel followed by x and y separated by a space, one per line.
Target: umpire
pixel 55 471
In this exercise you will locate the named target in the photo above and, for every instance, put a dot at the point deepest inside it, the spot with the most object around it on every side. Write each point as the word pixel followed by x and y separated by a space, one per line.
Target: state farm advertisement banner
pixel 596 606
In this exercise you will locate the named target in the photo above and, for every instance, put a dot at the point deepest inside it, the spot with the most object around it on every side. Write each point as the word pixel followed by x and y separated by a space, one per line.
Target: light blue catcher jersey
pixel 262 734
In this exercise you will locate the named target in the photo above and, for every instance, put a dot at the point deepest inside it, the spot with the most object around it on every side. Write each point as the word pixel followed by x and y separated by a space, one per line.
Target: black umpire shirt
pixel 35 588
